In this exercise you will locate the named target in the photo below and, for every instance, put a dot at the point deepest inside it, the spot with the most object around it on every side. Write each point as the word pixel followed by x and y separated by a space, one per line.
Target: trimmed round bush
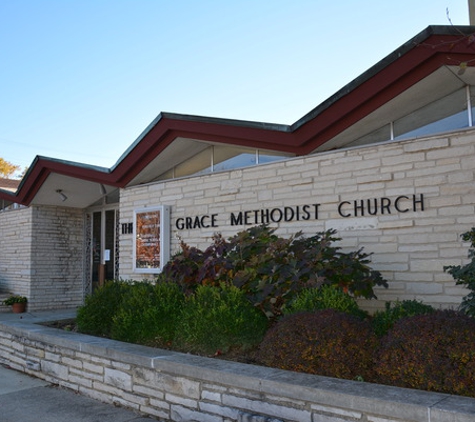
pixel 434 352
pixel 325 342
pixel 215 320
pixel 384 320
pixel 324 297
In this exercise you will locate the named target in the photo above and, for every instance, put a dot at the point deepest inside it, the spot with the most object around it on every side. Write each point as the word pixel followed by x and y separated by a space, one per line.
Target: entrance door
pixel 103 248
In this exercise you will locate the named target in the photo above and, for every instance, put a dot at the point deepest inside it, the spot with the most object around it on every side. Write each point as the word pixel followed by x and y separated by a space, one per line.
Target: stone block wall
pixel 15 251
pixel 41 255
pixel 183 388
pixel 407 202
pixel 57 258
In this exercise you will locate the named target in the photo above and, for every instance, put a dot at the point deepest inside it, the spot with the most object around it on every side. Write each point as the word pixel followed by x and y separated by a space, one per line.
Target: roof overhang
pixel 442 82
pixel 410 75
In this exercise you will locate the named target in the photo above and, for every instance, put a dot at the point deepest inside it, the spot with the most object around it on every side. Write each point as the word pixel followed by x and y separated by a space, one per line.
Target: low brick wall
pixel 178 387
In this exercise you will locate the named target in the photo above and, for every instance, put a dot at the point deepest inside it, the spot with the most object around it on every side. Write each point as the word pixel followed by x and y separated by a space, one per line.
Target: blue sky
pixel 80 80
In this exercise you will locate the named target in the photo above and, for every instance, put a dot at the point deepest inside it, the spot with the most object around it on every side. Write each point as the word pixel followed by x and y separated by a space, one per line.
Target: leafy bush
pixel 271 270
pixel 434 352
pixel 324 297
pixel 326 342
pixel 217 319
pixel 465 274
pixel 193 267
pixel 95 316
pixel 148 314
pixel 383 321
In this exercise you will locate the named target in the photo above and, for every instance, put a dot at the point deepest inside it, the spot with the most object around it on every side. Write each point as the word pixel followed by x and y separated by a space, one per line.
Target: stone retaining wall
pixel 178 387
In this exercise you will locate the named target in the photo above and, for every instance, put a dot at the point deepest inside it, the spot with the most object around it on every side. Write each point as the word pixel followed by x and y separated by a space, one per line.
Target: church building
pixel 388 161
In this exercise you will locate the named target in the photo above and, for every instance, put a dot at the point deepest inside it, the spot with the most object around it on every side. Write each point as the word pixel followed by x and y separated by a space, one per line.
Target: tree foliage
pixel 7 169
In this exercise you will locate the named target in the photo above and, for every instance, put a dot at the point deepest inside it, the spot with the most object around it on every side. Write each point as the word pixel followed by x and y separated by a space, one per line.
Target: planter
pixel 19 308
pixel 17 302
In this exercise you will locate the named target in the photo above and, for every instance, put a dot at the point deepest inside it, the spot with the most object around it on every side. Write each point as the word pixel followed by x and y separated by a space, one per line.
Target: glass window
pixel 472 101
pixel 152 239
pixel 221 158
pixel 448 113
pixel 196 165
pixel 269 157
pixel 96 246
pixel 379 135
pixel 109 259
pixel 167 175
pixel 228 158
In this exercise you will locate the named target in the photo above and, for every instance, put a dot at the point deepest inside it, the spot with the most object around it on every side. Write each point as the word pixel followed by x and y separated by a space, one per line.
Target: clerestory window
pixel 218 158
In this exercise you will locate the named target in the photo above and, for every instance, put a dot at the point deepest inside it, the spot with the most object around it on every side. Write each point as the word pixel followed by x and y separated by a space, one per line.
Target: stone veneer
pixel 185 388
pixel 15 251
pixel 42 250
pixel 410 248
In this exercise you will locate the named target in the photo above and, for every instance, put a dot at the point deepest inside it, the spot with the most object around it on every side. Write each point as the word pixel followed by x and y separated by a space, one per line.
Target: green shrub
pixel 95 316
pixel 434 352
pixel 326 342
pixel 217 319
pixel 383 321
pixel 465 275
pixel 148 314
pixel 270 270
pixel 324 297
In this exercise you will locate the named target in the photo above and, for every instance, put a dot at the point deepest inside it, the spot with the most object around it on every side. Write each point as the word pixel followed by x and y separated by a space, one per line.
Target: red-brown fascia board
pixel 384 85
pixel 8 196
pixel 361 102
pixel 42 167
pixel 397 72
pixel 429 50
pixel 172 126
pixel 434 39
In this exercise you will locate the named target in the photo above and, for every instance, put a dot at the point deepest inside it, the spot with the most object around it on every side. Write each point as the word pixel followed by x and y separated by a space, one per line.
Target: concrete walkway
pixel 27 399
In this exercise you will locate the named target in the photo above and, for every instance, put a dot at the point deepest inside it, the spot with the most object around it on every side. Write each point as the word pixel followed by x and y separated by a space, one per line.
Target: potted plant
pixel 17 302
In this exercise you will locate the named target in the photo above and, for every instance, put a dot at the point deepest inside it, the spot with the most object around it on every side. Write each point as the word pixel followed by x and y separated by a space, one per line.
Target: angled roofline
pixel 42 167
pixel 432 48
pixel 415 42
pixel 202 120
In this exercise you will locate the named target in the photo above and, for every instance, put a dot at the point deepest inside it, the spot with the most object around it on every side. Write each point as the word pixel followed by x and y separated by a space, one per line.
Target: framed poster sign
pixel 151 239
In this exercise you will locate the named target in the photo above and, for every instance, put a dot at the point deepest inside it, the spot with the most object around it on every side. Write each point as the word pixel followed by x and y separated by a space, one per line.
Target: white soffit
pixel 178 151
pixel 440 83
pixel 80 193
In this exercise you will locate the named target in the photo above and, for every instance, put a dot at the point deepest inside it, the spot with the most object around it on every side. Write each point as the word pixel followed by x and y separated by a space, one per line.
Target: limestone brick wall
pixel 41 255
pixel 15 251
pixel 407 202
pixel 179 387
pixel 57 258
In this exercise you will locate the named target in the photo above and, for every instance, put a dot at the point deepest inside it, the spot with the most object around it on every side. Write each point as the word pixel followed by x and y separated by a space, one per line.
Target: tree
pixel 7 169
